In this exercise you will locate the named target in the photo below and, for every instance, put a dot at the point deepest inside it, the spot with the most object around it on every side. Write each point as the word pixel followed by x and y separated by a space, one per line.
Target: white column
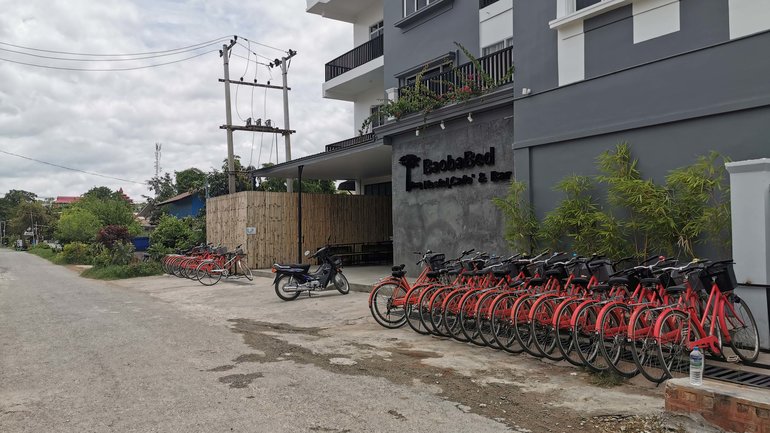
pixel 359 187
pixel 750 208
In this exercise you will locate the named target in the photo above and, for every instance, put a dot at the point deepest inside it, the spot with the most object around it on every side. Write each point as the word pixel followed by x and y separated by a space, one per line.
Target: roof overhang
pixel 355 162
pixel 342 10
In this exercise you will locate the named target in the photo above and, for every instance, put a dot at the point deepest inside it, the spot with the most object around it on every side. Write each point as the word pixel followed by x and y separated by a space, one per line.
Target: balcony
pixel 342 10
pixel 485 3
pixel 357 70
pixel 496 65
pixel 354 58
pixel 350 142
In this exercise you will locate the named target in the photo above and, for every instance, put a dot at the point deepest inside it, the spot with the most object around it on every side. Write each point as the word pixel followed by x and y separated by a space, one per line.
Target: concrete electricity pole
pixel 286 135
pixel 225 53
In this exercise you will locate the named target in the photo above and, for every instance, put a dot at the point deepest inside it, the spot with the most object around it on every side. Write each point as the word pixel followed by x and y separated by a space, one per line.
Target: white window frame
pixel 376 30
pixel 416 5
pixel 566 13
pixel 505 44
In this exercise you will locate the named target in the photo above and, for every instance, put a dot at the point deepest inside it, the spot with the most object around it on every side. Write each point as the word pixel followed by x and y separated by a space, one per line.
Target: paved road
pixel 166 355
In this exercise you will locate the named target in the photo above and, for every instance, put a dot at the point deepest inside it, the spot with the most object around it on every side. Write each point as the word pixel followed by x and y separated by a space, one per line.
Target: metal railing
pixel 354 58
pixel 496 65
pixel 350 142
pixel 485 3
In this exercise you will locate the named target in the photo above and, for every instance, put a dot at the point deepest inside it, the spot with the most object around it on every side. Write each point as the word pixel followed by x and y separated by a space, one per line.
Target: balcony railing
pixel 496 65
pixel 350 142
pixel 485 3
pixel 354 58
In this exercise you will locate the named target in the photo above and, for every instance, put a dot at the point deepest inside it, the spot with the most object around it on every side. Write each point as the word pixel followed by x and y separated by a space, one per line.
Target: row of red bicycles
pixel 208 264
pixel 604 315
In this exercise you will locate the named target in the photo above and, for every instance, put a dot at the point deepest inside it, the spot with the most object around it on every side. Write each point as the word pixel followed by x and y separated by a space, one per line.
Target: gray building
pixel 674 78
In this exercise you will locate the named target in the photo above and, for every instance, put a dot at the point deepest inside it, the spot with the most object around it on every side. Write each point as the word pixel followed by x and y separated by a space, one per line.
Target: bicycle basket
pixel 220 250
pixel 436 261
pixel 580 269
pixel 601 269
pixel 700 280
pixel 724 275
pixel 336 261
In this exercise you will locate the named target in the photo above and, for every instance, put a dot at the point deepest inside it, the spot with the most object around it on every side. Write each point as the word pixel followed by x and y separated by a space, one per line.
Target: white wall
pixel 748 16
pixel 363 21
pixel 362 106
pixel 495 23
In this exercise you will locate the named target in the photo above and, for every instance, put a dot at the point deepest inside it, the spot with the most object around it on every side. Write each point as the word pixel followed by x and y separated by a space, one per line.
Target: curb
pixel 355 287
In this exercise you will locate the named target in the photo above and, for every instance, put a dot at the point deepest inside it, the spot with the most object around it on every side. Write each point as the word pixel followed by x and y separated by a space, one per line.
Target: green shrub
pixel 46 252
pixel 77 225
pixel 121 253
pixel 77 253
pixel 173 233
pixel 119 272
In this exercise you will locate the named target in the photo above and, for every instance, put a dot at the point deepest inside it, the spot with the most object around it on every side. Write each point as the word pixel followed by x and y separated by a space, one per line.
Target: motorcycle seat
pixel 298 266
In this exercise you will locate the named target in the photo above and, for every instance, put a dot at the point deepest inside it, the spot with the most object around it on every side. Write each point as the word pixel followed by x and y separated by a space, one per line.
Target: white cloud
pixel 109 122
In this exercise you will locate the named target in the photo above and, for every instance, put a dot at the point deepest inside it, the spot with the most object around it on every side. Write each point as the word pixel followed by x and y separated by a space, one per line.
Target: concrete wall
pixel 361 27
pixel 430 37
pixel 451 220
pixel 362 105
pixel 495 23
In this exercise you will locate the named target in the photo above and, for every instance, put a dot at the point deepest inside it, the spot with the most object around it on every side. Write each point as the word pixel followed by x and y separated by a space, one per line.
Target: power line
pixel 109 69
pixel 264 45
pixel 70 168
pixel 117 55
pixel 154 56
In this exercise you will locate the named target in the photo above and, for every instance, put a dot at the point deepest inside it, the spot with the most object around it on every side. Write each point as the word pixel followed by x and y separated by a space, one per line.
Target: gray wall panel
pixel 412 46
pixel 718 79
pixel 609 38
pixel 451 220
pixel 738 135
pixel 534 45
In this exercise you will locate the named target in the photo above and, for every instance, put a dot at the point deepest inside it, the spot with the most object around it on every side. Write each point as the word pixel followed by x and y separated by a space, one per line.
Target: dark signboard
pixel 449 165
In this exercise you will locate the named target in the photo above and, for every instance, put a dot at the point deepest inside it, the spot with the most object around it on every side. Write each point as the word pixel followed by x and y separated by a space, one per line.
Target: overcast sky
pixel 109 122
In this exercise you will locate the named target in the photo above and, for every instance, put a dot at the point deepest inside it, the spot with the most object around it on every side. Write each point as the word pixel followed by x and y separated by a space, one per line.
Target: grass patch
pixel 120 272
pixel 606 379
pixel 47 253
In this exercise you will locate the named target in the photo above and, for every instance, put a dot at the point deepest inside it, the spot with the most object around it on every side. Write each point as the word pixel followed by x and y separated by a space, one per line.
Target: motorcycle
pixel 293 279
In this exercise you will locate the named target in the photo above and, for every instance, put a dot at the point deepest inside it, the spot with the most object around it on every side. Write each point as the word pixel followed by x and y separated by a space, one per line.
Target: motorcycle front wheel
pixel 341 283
pixel 280 288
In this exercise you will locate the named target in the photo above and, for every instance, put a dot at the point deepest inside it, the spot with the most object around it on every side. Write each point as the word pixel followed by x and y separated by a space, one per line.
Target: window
pixel 489 49
pixel 430 73
pixel 377 117
pixel 412 6
pixel 384 188
pixel 582 4
pixel 375 30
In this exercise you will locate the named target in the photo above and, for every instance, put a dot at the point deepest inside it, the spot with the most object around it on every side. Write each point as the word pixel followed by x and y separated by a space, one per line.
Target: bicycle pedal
pixel 733 358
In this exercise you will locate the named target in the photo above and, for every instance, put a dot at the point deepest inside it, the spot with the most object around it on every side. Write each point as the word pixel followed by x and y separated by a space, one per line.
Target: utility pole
pixel 225 53
pixel 286 136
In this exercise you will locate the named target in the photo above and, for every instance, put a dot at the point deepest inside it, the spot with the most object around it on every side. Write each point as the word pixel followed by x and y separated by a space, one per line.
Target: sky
pixel 108 122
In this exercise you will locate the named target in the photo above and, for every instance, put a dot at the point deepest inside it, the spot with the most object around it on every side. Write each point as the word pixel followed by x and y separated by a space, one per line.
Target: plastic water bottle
pixel 696 367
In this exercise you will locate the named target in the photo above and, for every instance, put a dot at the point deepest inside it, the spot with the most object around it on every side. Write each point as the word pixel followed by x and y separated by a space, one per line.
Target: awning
pixel 355 162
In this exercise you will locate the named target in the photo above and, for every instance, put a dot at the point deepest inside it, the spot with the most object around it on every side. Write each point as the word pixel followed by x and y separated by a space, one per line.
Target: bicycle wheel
pixel 564 341
pixel 341 283
pixel 741 327
pixel 436 312
pixel 587 338
pixel 244 269
pixel 644 345
pixel 423 308
pixel 521 325
pixel 468 318
pixel 208 273
pixel 675 339
pixel 613 332
pixel 386 305
pixel 484 319
pixel 543 331
pixel 412 310
pixel 452 316
pixel 502 325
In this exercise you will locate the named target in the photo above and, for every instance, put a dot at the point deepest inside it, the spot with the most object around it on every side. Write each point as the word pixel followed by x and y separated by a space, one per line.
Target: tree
pixel 12 199
pixel 162 186
pixel 114 210
pixel 77 225
pixel 100 193
pixel 30 215
pixel 190 180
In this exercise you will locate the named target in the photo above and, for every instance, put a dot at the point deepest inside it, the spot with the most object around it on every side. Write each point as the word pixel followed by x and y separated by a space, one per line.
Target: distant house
pixel 63 201
pixel 183 205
